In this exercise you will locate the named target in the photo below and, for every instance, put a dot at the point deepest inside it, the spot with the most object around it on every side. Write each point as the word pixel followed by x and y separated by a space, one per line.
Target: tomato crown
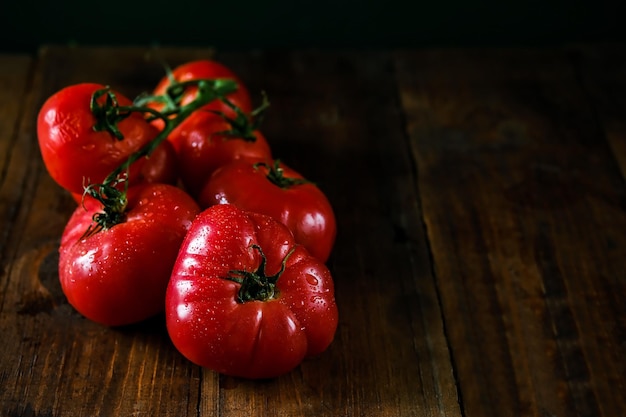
pixel 107 114
pixel 257 285
pixel 276 175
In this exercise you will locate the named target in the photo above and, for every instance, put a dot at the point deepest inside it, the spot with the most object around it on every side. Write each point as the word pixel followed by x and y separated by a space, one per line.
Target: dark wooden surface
pixel 480 264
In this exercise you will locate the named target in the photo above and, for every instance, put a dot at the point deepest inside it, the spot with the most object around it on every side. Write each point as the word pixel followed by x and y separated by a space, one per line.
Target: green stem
pixel 276 175
pixel 257 285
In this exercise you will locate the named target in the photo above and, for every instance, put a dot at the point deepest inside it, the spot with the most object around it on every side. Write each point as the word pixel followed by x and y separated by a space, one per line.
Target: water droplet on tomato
pixel 312 279
pixel 316 299
pixel 89 147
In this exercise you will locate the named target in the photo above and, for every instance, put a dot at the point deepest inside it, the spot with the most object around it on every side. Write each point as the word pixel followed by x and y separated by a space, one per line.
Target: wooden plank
pixel 14 79
pixel 524 207
pixel 390 356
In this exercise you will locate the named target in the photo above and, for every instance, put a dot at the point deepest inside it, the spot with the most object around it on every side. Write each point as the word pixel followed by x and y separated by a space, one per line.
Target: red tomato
pixel 276 191
pixel 202 147
pixel 119 275
pixel 75 154
pixel 244 299
pixel 161 167
pixel 204 69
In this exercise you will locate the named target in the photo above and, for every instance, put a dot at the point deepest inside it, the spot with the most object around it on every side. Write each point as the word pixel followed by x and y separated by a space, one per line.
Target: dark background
pixel 324 23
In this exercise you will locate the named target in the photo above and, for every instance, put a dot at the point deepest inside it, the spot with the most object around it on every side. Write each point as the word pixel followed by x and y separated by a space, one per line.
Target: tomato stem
pixel 242 125
pixel 276 175
pixel 257 285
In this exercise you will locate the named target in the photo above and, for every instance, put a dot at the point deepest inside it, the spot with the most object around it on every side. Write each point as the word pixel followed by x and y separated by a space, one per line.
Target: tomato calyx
pixel 107 114
pixel 242 125
pixel 257 285
pixel 113 202
pixel 276 175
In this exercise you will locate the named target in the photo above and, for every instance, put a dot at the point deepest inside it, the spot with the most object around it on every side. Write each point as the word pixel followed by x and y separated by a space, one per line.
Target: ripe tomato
pixel 244 299
pixel 73 152
pixel 119 275
pixel 202 147
pixel 203 69
pixel 278 191
pixel 161 167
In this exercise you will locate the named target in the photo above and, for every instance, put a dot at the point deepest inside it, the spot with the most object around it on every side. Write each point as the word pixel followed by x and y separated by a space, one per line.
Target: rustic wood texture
pixel 524 206
pixel 480 265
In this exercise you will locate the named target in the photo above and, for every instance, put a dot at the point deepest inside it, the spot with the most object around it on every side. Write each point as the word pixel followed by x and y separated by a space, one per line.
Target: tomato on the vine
pixel 118 275
pixel 76 148
pixel 202 69
pixel 206 141
pixel 160 167
pixel 244 299
pixel 274 189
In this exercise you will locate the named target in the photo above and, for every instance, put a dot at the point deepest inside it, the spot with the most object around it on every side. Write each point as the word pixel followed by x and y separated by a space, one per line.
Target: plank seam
pixel 431 260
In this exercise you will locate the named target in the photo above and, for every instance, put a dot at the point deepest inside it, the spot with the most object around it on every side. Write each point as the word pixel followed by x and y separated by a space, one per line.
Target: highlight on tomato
pixel 244 299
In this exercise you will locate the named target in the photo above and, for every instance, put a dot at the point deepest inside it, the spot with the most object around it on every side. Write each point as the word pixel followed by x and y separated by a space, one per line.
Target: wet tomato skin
pixel 160 167
pixel 118 276
pixel 303 208
pixel 202 147
pixel 74 153
pixel 213 328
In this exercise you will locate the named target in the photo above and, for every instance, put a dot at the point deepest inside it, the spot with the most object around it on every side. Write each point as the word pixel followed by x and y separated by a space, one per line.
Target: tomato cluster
pixel 183 209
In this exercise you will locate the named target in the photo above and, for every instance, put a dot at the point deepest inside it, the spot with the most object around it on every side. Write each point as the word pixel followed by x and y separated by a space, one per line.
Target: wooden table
pixel 480 265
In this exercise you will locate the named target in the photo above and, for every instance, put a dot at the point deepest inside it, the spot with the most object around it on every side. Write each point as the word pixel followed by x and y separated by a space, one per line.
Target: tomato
pixel 244 299
pixel 203 69
pixel 202 147
pixel 276 190
pixel 160 167
pixel 119 275
pixel 73 152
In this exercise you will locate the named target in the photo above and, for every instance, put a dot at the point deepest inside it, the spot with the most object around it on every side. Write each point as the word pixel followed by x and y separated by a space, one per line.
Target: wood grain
pixel 336 118
pixel 524 207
